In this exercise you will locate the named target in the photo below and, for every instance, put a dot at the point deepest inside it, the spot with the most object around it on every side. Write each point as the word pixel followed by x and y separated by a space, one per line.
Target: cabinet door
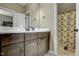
pixel 43 45
pixel 31 47
pixel 13 50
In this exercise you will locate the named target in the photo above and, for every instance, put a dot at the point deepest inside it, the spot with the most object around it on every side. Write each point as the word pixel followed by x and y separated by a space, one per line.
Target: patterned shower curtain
pixel 66 23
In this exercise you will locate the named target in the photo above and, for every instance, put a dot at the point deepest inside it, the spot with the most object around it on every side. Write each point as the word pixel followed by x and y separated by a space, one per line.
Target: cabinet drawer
pixel 47 34
pixel 41 34
pixel 44 34
pixel 29 36
pixel 13 50
pixel 7 39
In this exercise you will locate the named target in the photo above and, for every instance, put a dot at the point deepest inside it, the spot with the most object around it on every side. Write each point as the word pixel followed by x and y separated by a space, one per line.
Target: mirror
pixel 6 21
pixel 31 18
pixel 6 18
pixel 10 18
pixel 33 15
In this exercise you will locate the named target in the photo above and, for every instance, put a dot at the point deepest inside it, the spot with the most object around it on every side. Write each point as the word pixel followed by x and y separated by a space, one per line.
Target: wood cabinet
pixel 13 50
pixel 37 43
pixel 29 44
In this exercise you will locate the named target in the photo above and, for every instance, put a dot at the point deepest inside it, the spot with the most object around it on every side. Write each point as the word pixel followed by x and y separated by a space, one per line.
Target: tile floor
pixel 62 52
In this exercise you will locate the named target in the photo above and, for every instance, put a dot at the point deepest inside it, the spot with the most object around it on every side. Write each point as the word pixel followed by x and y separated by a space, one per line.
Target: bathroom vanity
pixel 24 43
pixel 16 41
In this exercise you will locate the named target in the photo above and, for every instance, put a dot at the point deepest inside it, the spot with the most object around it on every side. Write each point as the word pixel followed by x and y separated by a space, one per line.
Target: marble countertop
pixel 7 30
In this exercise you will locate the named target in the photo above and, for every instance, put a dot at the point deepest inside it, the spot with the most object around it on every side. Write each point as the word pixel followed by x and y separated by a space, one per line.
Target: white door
pixel 19 20
pixel 77 27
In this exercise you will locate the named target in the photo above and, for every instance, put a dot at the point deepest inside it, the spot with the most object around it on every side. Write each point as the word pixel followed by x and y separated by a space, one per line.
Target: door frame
pixel 55 28
pixel 77 27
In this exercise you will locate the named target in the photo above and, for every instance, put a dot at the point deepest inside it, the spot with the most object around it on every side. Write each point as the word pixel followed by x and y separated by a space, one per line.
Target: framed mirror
pixel 11 18
pixel 6 17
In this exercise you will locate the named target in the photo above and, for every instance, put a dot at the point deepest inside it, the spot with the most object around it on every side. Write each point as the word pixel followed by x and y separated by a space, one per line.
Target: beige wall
pixel 13 6
pixel 47 19
pixel 65 7
pixel 46 14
